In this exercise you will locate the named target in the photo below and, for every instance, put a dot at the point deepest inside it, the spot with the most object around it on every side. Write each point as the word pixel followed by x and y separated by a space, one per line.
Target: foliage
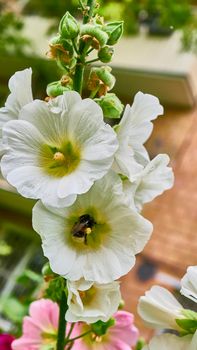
pixel 12 42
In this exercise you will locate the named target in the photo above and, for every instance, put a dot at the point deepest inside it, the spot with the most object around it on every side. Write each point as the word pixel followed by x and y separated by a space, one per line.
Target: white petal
pixel 103 144
pixel 126 164
pixel 170 342
pixel 144 109
pixel 189 284
pixel 21 92
pixel 159 309
pixel 153 181
pixel 49 124
pixel 134 129
pixel 193 345
pixel 52 231
pixel 23 142
pixel 65 102
pixel 84 119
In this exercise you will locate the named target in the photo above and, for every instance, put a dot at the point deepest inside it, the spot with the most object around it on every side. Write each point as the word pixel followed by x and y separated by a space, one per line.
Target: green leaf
pixel 29 275
pixel 13 309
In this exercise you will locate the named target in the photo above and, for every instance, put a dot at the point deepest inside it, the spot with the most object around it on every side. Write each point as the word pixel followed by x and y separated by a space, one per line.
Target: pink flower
pixel 6 341
pixel 40 328
pixel 121 336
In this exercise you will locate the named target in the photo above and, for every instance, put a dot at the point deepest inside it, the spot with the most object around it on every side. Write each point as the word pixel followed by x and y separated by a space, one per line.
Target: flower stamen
pixel 59 156
pixel 96 338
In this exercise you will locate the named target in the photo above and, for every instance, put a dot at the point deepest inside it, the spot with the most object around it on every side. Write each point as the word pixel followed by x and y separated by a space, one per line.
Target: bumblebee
pixel 82 228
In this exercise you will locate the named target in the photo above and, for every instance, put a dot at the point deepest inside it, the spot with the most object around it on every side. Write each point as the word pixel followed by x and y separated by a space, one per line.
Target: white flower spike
pixel 90 302
pixel 159 309
pixel 189 284
pixel 57 150
pixel 132 132
pixel 20 95
pixel 96 238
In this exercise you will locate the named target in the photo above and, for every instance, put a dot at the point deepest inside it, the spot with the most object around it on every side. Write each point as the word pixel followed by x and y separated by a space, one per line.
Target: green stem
pixel 78 78
pixel 70 331
pixel 82 5
pixel 75 46
pixel 90 5
pixel 78 337
pixel 91 61
pixel 62 323
pixel 80 66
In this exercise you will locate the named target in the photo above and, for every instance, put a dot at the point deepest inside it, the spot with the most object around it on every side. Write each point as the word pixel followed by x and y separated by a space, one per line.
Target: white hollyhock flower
pixel 154 179
pixel 90 302
pixel 172 342
pixel 96 238
pixel 159 309
pixel 189 283
pixel 21 94
pixel 134 129
pixel 57 150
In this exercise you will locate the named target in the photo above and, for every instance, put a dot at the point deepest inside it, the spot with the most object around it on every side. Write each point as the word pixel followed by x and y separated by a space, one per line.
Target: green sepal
pixel 95 31
pixel 104 74
pixel 68 27
pixel 55 288
pixel 114 31
pixel 111 106
pixel 56 88
pixel 140 344
pixel 121 304
pixel 100 328
pixel 105 54
pixel 190 326
pixel 58 40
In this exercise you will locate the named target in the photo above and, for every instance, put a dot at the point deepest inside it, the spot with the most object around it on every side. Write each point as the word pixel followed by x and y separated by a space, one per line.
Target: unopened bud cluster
pixel 71 49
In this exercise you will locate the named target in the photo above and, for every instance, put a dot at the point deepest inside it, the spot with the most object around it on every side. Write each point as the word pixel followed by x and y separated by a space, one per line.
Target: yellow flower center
pixel 88 295
pixel 59 161
pixel 49 340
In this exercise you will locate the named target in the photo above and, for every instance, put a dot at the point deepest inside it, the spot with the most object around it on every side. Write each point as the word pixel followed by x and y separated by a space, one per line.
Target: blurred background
pixel 157 55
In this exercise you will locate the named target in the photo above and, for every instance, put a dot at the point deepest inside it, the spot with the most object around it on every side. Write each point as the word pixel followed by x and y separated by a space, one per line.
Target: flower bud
pixel 97 35
pixel 114 31
pixel 56 88
pixel 111 105
pixel 101 79
pixel 105 54
pixel 61 50
pixel 68 27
